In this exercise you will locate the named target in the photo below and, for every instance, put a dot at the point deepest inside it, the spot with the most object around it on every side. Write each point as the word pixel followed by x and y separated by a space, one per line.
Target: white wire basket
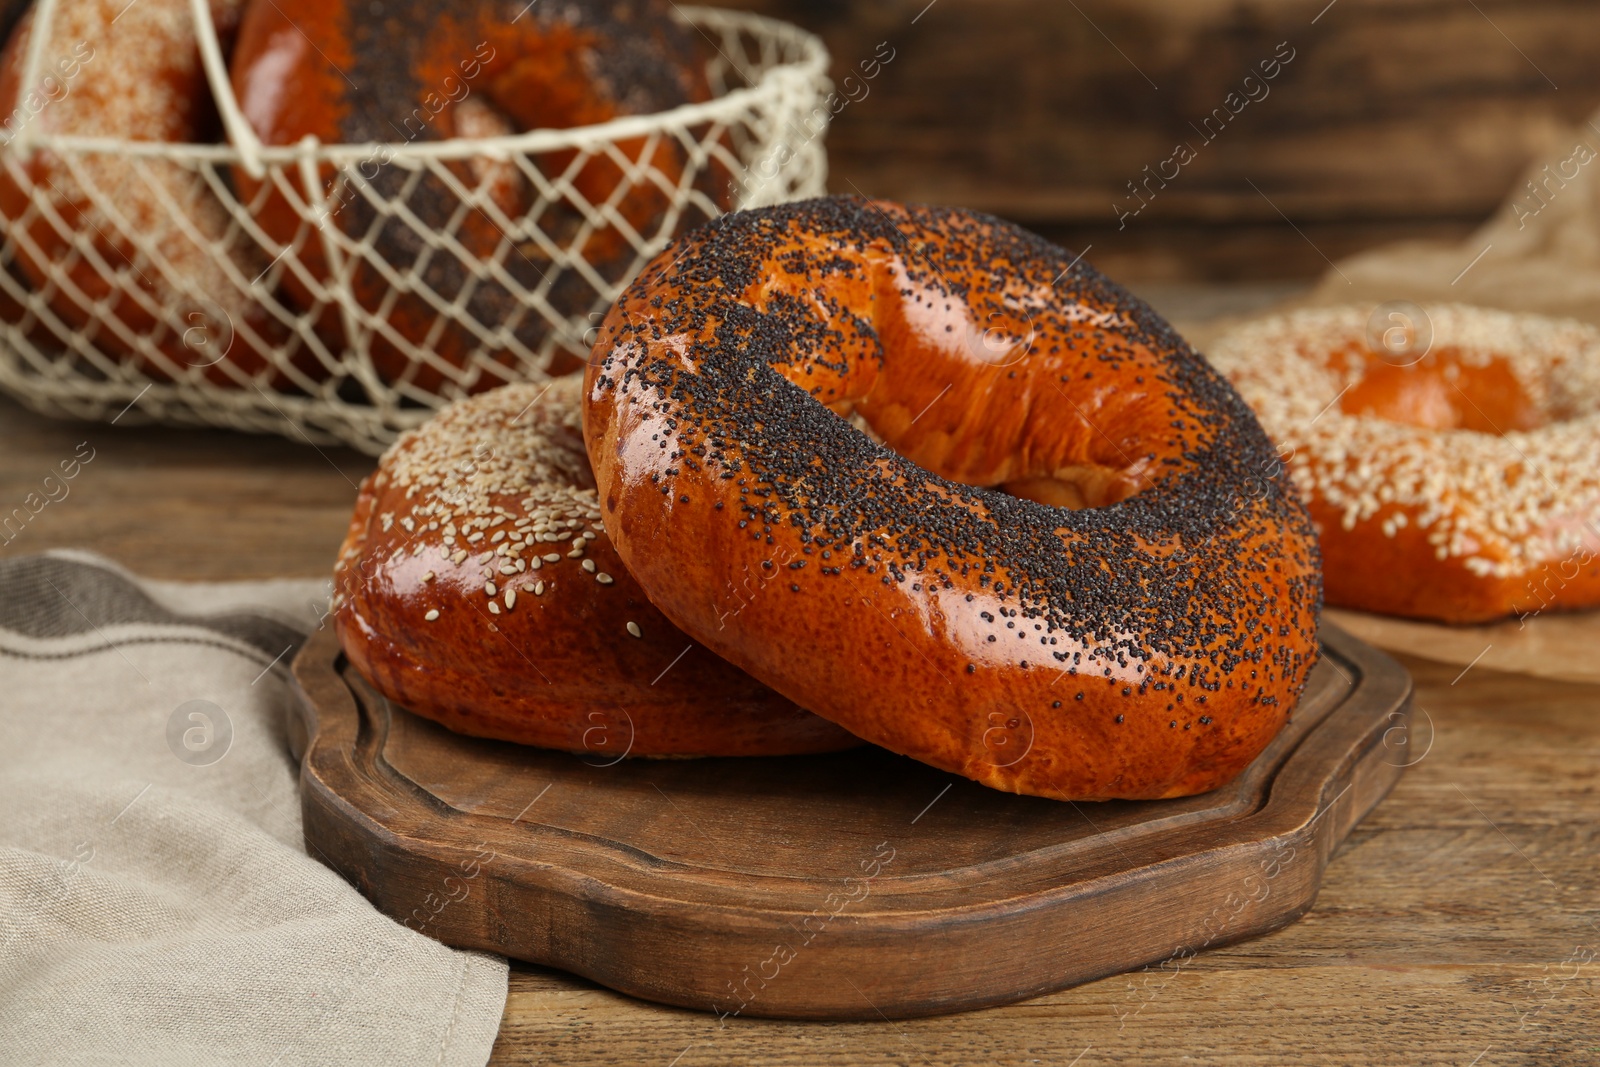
pixel 317 355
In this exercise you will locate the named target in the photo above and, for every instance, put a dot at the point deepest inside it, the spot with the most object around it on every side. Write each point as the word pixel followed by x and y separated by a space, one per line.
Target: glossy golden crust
pixel 477 587
pixel 1459 483
pixel 393 72
pixel 1149 644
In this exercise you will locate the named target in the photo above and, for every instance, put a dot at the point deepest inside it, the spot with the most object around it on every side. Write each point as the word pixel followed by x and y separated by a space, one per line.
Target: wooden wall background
pixel 1395 118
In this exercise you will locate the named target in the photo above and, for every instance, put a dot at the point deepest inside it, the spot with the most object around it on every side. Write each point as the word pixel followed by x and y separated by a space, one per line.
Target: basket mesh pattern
pixel 197 315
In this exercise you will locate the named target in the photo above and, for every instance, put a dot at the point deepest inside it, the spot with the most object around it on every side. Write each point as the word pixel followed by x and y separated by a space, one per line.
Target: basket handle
pixel 43 15
pixel 239 132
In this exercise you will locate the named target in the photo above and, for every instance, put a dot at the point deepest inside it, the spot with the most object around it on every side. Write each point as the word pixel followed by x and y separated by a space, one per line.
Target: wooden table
pixel 1460 924
pixel 1391 119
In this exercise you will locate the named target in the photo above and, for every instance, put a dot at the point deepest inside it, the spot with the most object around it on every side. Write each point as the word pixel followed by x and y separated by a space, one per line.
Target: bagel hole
pixel 1080 488
pixel 859 421
pixel 1075 489
pixel 1443 391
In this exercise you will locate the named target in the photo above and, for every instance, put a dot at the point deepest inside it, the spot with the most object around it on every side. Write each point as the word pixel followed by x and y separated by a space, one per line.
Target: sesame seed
pixel 604 578
pixel 633 628
pixel 428 577
pixel 552 557
pixel 511 599
pixel 588 565
pixel 538 589
pixel 433 613
pixel 489 588
pixel 1467 488
pixel 494 607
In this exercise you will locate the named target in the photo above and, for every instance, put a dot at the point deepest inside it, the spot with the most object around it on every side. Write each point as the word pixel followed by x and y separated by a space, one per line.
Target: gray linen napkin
pixel 156 901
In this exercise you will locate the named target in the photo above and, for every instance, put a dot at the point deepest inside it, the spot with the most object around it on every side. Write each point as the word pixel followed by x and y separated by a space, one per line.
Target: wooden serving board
pixel 860 885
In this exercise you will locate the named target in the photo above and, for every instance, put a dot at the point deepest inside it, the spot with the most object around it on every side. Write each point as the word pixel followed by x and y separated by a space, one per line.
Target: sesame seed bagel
pixel 477 587
pixel 1459 482
pixel 138 251
pixel 1037 570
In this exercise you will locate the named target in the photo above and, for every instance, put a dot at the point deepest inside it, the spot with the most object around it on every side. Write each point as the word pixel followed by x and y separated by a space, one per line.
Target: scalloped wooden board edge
pixel 445 834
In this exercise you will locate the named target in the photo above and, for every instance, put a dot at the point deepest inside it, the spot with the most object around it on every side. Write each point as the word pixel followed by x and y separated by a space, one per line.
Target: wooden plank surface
pixel 1459 924
pixel 1393 119
pixel 1043 111
pixel 196 504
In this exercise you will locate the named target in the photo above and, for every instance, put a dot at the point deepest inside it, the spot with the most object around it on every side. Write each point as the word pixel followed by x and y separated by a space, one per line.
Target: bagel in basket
pixel 138 252
pixel 459 262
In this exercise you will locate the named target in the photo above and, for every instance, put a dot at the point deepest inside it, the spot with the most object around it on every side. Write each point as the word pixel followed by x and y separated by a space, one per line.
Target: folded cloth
pixel 1539 252
pixel 157 904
